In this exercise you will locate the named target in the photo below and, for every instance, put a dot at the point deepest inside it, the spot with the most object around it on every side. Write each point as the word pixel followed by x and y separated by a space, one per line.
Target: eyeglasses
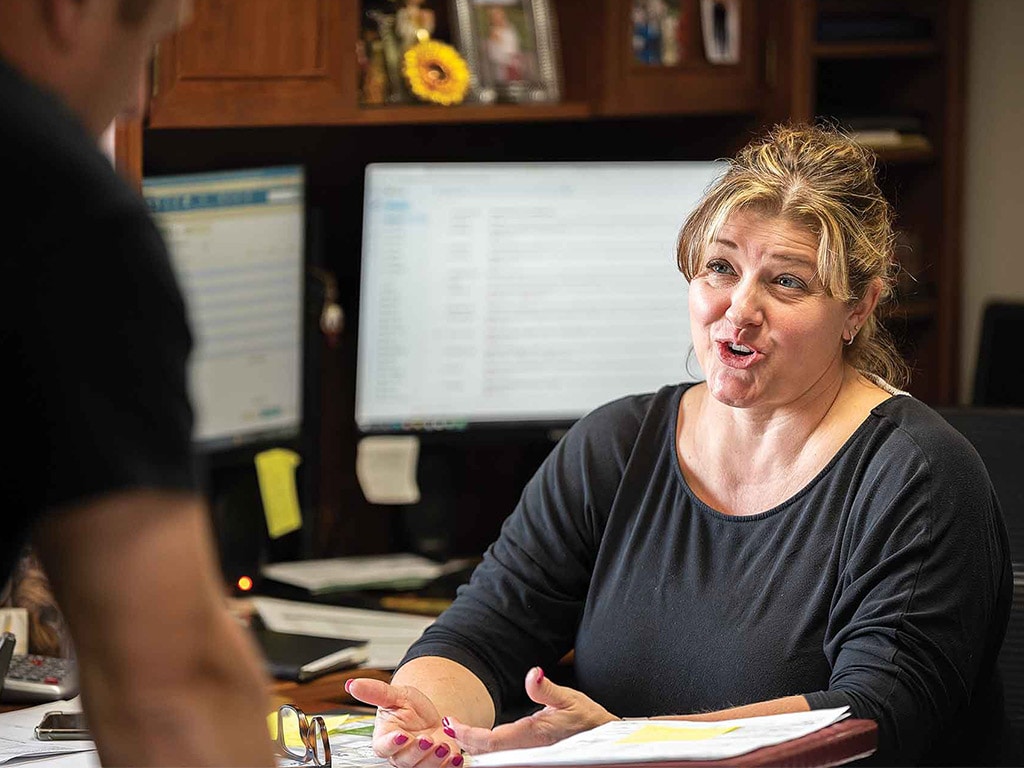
pixel 302 738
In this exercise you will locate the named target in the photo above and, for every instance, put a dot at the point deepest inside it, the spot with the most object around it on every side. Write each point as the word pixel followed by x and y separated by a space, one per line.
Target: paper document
pixel 386 468
pixel 398 571
pixel 389 634
pixel 18 737
pixel 633 741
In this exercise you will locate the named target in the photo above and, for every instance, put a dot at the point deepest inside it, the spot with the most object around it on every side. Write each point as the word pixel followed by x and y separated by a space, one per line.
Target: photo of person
pixel 508 52
pixel 660 32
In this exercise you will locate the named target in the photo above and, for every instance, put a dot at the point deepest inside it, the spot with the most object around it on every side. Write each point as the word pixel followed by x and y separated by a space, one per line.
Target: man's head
pixel 92 53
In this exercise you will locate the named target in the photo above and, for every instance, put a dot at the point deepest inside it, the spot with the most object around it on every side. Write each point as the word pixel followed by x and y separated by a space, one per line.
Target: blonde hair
pixel 818 178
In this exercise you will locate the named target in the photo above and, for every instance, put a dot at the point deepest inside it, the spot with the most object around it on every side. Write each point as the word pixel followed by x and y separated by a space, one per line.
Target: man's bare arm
pixel 167 676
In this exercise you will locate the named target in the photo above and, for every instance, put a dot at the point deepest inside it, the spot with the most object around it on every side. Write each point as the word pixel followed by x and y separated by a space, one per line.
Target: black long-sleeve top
pixel 884 584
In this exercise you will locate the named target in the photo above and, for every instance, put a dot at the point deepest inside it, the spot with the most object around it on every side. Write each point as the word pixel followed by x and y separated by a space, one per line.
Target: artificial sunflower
pixel 436 72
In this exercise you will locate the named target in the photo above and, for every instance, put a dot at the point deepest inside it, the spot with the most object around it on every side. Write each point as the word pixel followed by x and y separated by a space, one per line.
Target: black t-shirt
pixel 883 585
pixel 94 337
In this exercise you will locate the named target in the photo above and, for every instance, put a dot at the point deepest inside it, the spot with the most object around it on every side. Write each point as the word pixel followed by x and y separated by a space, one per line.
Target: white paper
pixel 604 744
pixel 356 572
pixel 18 738
pixel 389 634
pixel 15 621
pixel 386 468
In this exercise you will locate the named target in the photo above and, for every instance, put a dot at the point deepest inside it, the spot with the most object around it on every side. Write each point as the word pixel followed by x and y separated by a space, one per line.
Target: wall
pixel 994 172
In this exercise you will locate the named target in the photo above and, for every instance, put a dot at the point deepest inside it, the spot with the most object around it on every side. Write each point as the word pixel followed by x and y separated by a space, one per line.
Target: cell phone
pixel 62 726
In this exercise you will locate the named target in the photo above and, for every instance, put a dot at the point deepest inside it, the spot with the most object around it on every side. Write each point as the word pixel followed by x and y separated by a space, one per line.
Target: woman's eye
pixel 719 267
pixel 789 282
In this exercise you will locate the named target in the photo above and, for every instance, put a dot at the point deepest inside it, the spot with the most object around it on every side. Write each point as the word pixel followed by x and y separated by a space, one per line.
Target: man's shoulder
pixel 53 166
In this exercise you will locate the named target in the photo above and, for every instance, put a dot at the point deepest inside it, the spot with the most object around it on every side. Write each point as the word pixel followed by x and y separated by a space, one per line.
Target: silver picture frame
pixel 511 48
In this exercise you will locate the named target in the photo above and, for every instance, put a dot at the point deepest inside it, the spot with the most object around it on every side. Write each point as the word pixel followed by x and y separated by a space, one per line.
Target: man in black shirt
pixel 94 340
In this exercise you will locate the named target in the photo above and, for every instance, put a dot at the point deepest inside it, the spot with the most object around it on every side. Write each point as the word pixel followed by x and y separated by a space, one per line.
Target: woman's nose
pixel 745 306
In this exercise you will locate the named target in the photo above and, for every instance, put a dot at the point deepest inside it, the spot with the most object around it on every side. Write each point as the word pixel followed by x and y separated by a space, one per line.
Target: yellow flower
pixel 436 72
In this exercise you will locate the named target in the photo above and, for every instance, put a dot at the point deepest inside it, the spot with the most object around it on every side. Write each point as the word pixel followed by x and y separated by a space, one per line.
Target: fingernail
pixel 426 744
pixel 448 731
pixel 442 751
pixel 348 683
pixel 457 761
pixel 540 674
pixel 400 739
pixel 446 722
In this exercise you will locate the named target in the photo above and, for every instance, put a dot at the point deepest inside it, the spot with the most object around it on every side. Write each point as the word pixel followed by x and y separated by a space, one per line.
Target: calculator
pixel 32 678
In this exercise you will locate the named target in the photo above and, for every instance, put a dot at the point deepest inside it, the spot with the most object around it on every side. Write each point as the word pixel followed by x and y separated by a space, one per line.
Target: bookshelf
pixel 253 82
pixel 895 69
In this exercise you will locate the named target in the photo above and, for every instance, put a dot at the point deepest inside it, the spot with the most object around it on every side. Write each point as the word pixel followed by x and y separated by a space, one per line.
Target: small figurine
pixel 414 23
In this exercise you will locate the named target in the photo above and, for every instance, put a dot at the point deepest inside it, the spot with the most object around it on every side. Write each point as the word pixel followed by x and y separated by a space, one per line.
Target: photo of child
pixel 508 53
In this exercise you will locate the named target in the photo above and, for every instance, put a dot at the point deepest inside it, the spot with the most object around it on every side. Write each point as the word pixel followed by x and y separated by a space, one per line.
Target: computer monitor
pixel 236 244
pixel 506 294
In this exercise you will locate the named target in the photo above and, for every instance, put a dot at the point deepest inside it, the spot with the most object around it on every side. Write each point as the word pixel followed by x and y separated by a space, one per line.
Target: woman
pixel 792 533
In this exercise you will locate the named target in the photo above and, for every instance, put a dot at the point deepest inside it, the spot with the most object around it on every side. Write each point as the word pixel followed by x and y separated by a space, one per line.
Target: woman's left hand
pixel 566 711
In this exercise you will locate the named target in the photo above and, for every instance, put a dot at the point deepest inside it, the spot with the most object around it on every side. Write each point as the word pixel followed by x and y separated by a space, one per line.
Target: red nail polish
pixel 426 744
pixel 540 674
pixel 457 761
pixel 400 739
pixel 446 722
pixel 442 751
pixel 348 683
pixel 449 732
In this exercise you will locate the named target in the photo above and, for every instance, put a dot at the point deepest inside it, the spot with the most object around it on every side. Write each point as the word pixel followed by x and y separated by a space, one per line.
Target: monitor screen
pixel 236 244
pixel 520 293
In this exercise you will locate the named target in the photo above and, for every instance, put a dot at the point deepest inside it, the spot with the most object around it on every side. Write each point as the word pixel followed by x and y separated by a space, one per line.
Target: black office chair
pixel 998 436
pixel 999 374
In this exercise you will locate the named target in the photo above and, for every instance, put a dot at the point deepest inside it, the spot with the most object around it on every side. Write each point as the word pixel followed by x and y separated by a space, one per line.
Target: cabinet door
pixel 664 57
pixel 257 62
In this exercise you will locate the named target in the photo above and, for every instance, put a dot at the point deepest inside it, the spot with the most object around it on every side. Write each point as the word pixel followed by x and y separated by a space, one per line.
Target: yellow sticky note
pixel 652 733
pixel 275 470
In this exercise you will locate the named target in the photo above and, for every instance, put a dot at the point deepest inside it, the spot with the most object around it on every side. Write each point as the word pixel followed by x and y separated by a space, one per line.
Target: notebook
pixel 303 657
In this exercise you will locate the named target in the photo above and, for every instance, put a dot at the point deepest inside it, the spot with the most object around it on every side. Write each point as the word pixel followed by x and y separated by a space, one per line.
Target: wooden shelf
pixel 876 50
pixel 905 155
pixel 471 113
pixel 912 309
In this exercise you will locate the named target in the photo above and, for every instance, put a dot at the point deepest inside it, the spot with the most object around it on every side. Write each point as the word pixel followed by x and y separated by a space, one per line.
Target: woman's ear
pixel 862 309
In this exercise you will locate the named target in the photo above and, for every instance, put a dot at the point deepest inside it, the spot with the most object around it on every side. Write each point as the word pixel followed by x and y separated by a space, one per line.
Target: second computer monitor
pixel 520 293
pixel 236 240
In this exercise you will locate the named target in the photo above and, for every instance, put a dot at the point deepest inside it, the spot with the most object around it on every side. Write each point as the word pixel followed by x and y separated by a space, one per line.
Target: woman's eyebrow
pixel 790 258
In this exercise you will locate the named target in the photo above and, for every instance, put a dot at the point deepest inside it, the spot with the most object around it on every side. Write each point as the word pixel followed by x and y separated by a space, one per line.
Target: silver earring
pixel 853 335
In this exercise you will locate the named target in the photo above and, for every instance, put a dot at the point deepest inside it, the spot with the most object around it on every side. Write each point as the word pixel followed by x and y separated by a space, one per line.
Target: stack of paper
pixel 635 741
pixel 398 571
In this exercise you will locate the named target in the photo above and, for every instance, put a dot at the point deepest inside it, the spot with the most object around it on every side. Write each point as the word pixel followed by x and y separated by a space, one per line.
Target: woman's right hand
pixel 408 730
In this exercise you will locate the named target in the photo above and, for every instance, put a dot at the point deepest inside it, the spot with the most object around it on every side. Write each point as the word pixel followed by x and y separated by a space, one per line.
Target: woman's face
pixel 764 330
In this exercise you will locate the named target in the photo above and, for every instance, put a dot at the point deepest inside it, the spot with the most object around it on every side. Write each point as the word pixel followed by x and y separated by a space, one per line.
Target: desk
pixel 843 742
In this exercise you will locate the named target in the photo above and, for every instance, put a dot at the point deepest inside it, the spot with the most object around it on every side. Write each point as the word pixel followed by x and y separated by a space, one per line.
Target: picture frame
pixel 511 47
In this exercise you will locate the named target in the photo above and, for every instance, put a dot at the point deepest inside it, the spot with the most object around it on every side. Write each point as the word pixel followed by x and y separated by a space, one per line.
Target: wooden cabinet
pixel 255 63
pixel 248 63
pixel 286 71
pixel 895 70
pixel 691 84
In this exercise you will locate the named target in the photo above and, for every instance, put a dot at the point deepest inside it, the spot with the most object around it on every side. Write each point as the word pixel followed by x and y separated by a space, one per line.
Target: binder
pixel 302 657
